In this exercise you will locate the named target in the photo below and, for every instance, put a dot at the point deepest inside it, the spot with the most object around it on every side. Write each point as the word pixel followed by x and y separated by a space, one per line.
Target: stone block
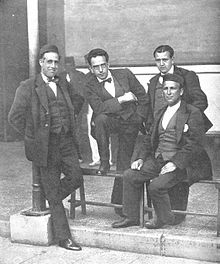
pixel 35 230
pixel 199 248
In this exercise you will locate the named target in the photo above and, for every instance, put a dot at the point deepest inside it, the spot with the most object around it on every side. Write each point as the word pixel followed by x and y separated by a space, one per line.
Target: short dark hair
pixel 164 48
pixel 97 52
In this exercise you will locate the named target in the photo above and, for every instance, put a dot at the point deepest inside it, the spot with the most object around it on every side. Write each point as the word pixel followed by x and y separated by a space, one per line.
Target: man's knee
pixel 132 177
pixel 128 175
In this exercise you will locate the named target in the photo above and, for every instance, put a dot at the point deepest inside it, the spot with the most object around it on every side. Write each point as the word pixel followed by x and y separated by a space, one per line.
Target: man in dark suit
pixel 193 94
pixel 43 111
pixel 120 104
pixel 171 153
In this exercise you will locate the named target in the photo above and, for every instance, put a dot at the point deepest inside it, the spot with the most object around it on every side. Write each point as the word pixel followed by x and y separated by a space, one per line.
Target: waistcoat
pixel 167 146
pixel 60 117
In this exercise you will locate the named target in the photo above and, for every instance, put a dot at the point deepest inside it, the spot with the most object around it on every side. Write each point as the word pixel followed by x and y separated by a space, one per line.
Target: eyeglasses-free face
pixel 163 61
pixel 172 92
pixel 99 67
pixel 49 64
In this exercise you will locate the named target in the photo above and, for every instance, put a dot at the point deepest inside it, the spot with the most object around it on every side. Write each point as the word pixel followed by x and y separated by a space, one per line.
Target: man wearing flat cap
pixel 43 111
pixel 171 152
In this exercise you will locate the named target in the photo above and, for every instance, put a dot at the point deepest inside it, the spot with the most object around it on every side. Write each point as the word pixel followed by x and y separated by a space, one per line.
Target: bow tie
pixel 55 79
pixel 107 80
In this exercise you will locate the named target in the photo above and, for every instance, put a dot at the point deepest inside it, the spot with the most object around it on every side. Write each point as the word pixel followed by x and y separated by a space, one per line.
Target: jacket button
pixel 46 125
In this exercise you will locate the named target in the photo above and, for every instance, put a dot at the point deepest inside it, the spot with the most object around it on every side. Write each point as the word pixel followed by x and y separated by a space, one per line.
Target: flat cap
pixel 48 48
pixel 174 77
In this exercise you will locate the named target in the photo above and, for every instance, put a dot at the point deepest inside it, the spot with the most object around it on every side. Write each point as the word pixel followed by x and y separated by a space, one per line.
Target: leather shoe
pixel 155 224
pixel 69 244
pixel 126 222
pixel 103 168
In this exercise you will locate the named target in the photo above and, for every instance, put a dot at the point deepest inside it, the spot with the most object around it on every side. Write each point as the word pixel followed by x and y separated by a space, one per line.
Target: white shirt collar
pixel 168 114
pixel 44 77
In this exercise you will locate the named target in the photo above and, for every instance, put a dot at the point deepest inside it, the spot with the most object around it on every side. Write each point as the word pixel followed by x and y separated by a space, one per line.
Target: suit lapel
pixel 177 70
pixel 41 92
pixel 182 117
pixel 105 93
pixel 63 86
pixel 152 89
pixel 122 86
pixel 155 127
pixel 99 89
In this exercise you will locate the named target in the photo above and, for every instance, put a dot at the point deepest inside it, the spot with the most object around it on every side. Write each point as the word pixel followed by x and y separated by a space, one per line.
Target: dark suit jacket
pixel 103 103
pixel 191 154
pixel 30 115
pixel 193 93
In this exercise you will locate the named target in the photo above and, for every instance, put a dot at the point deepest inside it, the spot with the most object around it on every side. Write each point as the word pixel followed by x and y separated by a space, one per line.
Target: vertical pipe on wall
pixel 33 34
pixel 3 88
pixel 38 202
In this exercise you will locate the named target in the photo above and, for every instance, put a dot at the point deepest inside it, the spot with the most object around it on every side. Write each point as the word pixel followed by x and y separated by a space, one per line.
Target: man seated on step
pixel 171 152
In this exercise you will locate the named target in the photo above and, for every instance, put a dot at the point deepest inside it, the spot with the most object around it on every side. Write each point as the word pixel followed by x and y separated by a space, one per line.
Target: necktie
pixel 109 80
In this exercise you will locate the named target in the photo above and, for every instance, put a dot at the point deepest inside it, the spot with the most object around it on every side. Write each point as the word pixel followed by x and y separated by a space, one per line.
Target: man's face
pixel 163 61
pixel 172 92
pixel 49 64
pixel 99 67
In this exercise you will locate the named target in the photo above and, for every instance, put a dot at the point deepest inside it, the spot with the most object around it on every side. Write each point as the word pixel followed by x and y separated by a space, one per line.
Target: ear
pixel 172 60
pixel 91 69
pixel 41 61
pixel 181 92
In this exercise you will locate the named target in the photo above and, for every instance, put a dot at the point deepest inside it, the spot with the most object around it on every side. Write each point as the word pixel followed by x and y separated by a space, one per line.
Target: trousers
pixel 127 134
pixel 158 189
pixel 62 159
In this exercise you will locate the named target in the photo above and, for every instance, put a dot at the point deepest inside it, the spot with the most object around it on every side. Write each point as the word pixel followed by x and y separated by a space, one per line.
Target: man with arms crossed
pixel 43 111
pixel 120 104
pixel 171 152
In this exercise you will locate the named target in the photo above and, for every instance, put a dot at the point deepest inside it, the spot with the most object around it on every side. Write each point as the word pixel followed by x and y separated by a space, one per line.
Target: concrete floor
pixel 12 253
pixel 15 195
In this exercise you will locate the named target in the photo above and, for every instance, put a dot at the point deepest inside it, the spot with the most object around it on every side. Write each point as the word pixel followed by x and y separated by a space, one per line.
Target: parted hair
pixel 96 52
pixel 164 48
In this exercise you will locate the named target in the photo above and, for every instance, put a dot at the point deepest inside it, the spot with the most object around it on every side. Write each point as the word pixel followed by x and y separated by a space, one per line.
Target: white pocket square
pixel 186 128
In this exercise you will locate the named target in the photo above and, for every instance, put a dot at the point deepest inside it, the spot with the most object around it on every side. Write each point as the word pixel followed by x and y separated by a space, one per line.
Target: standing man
pixel 43 111
pixel 120 104
pixel 193 94
pixel 170 153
